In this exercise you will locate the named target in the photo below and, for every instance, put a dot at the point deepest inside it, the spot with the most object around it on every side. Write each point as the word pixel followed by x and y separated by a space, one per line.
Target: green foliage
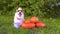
pixel 40 8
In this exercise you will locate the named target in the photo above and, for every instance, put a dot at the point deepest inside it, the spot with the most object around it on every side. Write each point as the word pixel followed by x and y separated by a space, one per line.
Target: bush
pixel 40 8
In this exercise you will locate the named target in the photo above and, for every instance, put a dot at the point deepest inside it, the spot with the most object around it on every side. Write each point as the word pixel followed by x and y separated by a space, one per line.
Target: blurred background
pixel 47 11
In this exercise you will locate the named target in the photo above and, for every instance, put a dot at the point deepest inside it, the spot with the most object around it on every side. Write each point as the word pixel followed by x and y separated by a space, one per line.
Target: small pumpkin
pixel 28 26
pixel 27 21
pixel 34 20
pixel 40 25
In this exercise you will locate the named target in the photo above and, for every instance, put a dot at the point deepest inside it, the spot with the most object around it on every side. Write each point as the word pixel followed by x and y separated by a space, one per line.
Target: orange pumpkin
pixel 40 25
pixel 34 19
pixel 28 26
pixel 27 21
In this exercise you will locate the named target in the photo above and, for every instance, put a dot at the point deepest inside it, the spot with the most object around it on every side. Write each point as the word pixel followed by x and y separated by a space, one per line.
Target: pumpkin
pixel 34 20
pixel 28 26
pixel 40 25
pixel 27 21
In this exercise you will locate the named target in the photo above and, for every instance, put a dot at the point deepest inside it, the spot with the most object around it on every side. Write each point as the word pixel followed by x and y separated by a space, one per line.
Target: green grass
pixel 52 26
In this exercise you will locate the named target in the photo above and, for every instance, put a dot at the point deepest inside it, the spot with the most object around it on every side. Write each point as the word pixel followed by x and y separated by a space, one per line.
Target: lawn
pixel 52 26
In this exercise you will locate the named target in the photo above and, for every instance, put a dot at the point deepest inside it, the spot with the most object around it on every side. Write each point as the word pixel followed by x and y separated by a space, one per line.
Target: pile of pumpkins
pixel 32 23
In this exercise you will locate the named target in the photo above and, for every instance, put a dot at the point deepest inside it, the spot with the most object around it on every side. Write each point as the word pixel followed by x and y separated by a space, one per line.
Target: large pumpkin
pixel 40 25
pixel 28 26
pixel 27 21
pixel 34 19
